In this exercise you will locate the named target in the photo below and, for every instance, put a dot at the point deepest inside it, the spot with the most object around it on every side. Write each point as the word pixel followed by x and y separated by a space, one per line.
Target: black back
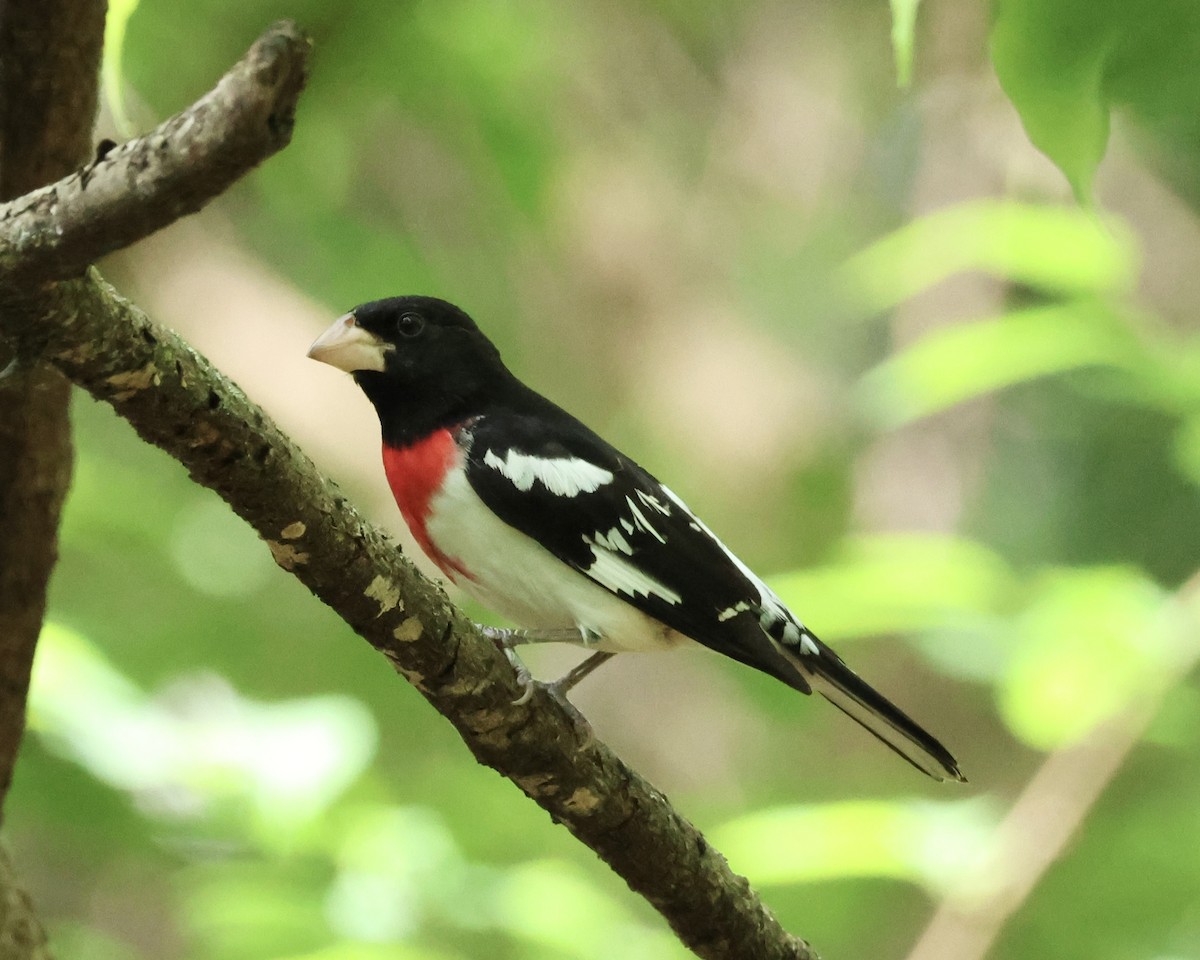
pixel 443 372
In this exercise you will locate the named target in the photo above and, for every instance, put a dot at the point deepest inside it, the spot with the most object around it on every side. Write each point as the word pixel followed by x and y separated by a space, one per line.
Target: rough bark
pixel 21 933
pixel 49 64
pixel 35 466
pixel 175 399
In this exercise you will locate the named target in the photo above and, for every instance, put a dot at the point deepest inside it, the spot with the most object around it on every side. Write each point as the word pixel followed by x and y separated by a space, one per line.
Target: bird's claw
pixel 524 677
pixel 507 640
pixel 556 691
pixel 526 693
pixel 527 684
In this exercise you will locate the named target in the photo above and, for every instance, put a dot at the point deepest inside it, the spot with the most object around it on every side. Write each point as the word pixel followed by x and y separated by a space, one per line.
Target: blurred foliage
pixel 1067 63
pixel 904 24
pixel 858 327
pixel 119 12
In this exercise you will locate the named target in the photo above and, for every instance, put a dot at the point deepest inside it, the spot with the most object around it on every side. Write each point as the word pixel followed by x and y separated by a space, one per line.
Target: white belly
pixel 520 579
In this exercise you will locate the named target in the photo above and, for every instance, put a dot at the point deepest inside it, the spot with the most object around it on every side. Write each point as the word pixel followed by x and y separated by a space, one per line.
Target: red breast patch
pixel 415 474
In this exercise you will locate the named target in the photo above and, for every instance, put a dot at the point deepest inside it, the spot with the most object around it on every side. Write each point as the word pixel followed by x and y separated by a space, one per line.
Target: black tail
pixel 847 691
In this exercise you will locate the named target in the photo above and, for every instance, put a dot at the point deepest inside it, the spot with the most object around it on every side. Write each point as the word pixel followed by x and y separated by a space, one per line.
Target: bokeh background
pixel 943 392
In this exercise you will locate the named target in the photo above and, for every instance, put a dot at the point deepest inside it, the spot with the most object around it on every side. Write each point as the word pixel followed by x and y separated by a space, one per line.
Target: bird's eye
pixel 410 324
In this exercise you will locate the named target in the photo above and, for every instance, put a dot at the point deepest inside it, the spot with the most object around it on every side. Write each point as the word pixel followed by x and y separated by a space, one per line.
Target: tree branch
pixel 49 63
pixel 176 400
pixel 35 468
pixel 147 183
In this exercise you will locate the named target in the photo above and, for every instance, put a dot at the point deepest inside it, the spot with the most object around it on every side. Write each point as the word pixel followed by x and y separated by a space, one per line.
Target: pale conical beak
pixel 349 347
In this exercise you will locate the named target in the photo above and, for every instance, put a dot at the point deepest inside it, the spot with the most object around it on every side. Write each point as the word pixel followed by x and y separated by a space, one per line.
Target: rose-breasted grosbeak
pixel 538 518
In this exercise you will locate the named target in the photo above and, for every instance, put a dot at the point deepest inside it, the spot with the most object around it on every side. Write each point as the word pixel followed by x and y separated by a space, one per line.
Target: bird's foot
pixel 562 686
pixel 524 677
pixel 509 639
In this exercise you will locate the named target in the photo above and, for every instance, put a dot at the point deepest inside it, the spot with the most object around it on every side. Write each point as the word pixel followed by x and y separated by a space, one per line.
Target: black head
pixel 421 361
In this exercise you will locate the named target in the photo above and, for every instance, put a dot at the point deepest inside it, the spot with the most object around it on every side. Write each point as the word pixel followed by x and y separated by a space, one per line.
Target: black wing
pixel 598 511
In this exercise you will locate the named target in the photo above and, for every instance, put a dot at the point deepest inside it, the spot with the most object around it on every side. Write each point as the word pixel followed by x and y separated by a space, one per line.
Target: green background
pixel 943 393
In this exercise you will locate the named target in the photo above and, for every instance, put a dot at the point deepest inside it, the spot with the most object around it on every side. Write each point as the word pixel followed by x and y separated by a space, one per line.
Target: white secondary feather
pixel 652 501
pixel 516 576
pixel 613 540
pixel 564 476
pixel 640 522
pixel 619 574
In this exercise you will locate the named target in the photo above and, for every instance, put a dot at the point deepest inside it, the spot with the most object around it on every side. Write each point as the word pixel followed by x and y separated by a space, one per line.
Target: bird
pixel 538 518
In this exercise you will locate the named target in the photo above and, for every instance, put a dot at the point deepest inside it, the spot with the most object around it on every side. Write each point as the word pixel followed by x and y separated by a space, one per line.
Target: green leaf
pixel 1054 249
pixel 1066 63
pixel 119 12
pixel 1187 448
pixel 959 363
pixel 551 903
pixel 1050 56
pixel 904 23
pixel 1090 643
pixel 285 763
pixel 923 843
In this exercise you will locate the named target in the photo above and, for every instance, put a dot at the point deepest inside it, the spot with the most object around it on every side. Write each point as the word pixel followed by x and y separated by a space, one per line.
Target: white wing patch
pixel 563 476
pixel 611 552
pixel 730 612
pixel 640 522
pixel 613 540
pixel 655 504
pixel 618 574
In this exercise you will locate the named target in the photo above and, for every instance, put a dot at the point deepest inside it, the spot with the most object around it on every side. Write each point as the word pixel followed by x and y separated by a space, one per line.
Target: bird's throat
pixel 416 473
